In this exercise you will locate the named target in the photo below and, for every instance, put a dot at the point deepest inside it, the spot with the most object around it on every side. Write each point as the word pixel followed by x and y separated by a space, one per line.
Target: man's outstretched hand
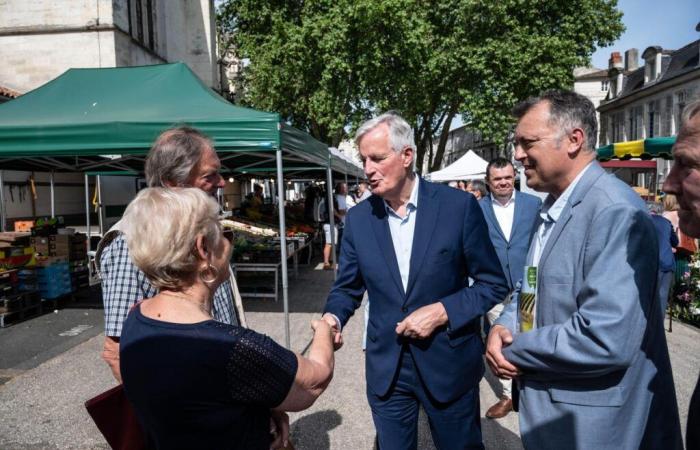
pixel 500 337
pixel 421 323
pixel 335 326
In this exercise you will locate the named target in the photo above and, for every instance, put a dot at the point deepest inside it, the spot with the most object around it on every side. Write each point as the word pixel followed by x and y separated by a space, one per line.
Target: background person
pixel 195 382
pixel 363 192
pixel 668 239
pixel 686 245
pixel 328 238
pixel 477 188
pixel 180 156
pixel 510 216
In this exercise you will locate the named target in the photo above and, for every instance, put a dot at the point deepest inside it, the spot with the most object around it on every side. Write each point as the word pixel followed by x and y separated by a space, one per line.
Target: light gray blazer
pixel 596 369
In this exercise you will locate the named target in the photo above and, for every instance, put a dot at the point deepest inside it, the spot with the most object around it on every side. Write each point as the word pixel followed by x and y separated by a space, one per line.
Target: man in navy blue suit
pixel 412 246
pixel 511 216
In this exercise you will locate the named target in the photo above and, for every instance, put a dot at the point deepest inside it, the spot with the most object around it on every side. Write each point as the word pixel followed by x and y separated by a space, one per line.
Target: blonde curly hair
pixel 161 226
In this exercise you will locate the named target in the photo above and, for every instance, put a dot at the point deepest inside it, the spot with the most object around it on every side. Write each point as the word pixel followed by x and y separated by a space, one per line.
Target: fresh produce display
pixel 258 243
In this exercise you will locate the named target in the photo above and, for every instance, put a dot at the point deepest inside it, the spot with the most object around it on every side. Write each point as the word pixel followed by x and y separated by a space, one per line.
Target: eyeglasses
pixel 228 234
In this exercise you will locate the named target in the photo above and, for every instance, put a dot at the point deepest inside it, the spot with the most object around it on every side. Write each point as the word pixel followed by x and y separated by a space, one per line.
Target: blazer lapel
pixel 426 218
pixel 380 225
pixel 492 216
pixel 587 180
pixel 517 212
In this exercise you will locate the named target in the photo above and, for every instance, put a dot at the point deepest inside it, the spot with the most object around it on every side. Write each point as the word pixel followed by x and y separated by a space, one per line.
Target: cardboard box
pixel 40 244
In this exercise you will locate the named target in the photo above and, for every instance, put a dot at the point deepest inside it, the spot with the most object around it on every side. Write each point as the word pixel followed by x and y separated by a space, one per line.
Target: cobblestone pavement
pixel 42 408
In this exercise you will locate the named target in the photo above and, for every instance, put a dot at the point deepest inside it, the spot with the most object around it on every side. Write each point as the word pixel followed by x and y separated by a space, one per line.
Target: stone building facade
pixel 41 39
pixel 646 100
pixel 462 139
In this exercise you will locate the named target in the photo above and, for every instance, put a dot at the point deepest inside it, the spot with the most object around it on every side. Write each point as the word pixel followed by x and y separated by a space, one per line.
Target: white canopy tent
pixel 470 165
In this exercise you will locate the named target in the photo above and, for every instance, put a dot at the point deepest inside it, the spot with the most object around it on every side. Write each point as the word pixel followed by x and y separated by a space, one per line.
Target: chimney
pixel 615 61
pixel 631 59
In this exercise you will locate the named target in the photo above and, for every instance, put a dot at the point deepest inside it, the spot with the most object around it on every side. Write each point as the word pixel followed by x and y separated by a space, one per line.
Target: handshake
pixel 330 325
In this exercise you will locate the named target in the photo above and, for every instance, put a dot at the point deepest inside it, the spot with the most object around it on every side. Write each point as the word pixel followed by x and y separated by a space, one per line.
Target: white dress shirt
pixel 402 230
pixel 504 214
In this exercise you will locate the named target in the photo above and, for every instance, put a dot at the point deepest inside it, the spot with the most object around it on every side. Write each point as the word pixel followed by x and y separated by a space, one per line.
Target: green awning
pixel 658 147
pixel 71 122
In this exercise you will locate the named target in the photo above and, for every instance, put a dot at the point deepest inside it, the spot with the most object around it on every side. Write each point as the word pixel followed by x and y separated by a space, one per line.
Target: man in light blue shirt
pixel 586 345
pixel 412 246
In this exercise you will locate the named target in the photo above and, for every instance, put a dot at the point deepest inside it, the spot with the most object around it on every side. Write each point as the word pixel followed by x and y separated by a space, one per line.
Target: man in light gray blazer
pixel 590 358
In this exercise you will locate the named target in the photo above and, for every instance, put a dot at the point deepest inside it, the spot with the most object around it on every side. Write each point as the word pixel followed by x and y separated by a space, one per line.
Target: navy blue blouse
pixel 203 385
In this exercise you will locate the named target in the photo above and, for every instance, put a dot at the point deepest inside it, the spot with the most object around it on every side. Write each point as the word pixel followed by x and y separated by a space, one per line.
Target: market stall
pixel 637 162
pixel 470 165
pixel 97 119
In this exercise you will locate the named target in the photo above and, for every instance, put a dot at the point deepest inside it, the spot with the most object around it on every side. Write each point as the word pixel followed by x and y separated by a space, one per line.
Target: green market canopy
pixel 659 147
pixel 108 118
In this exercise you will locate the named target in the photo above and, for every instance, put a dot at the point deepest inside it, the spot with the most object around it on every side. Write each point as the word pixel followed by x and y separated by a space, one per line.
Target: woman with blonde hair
pixel 195 382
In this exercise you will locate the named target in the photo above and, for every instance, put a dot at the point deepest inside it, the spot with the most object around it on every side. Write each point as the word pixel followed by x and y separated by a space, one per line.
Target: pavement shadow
pixel 311 432
pixel 498 437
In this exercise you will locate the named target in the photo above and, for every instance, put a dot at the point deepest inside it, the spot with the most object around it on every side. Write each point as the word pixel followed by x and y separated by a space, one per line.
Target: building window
pixel 681 100
pixel 653 118
pixel 141 22
pixel 618 126
pixel 667 117
pixel 636 124
pixel 604 85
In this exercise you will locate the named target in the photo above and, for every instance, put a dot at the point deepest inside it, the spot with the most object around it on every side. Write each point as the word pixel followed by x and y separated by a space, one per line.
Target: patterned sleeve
pixel 223 304
pixel 123 284
pixel 260 371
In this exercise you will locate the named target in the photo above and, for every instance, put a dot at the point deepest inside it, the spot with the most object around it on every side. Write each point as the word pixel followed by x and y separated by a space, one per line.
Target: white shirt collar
pixel 510 200
pixel 412 200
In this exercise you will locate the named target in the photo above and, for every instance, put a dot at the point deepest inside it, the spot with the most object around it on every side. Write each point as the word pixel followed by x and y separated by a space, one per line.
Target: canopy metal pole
pixel 331 216
pixel 87 209
pixel 53 198
pixel 2 204
pixel 283 246
pixel 100 219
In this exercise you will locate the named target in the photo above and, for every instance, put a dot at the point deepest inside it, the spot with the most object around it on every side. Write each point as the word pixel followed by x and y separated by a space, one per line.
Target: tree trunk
pixel 444 134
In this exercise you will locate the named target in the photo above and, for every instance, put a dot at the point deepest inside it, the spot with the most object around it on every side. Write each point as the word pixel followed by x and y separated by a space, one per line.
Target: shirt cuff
pixel 337 321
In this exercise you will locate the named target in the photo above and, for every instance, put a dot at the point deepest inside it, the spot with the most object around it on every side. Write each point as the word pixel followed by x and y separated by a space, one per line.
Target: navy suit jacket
pixel 512 252
pixel 450 245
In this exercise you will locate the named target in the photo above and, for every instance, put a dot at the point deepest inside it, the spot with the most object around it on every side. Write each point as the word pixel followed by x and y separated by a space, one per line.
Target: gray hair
pixel 691 110
pixel 479 185
pixel 160 243
pixel 174 156
pixel 568 110
pixel 400 133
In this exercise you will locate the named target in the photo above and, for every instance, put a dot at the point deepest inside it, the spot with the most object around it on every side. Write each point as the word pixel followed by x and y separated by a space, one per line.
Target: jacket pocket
pixel 460 339
pixel 606 397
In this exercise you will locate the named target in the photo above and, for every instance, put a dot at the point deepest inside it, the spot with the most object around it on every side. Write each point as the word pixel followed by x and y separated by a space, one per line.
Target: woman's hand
pixel 279 429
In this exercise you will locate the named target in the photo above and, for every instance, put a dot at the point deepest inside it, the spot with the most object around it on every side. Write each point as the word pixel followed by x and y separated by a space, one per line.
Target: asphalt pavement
pixel 49 377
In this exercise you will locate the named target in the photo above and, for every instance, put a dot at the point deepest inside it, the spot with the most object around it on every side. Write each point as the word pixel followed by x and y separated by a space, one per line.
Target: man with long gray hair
pixel 684 183
pixel 412 246
pixel 180 157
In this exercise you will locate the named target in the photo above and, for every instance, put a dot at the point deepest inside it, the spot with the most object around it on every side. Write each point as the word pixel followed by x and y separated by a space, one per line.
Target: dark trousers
pixel 665 279
pixel 454 425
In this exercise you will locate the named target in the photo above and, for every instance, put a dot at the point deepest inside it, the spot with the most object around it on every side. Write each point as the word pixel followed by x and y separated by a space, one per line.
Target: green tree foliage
pixel 327 65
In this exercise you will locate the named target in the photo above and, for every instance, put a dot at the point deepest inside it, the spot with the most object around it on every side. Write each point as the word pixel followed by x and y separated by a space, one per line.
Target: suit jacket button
pixel 404 309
